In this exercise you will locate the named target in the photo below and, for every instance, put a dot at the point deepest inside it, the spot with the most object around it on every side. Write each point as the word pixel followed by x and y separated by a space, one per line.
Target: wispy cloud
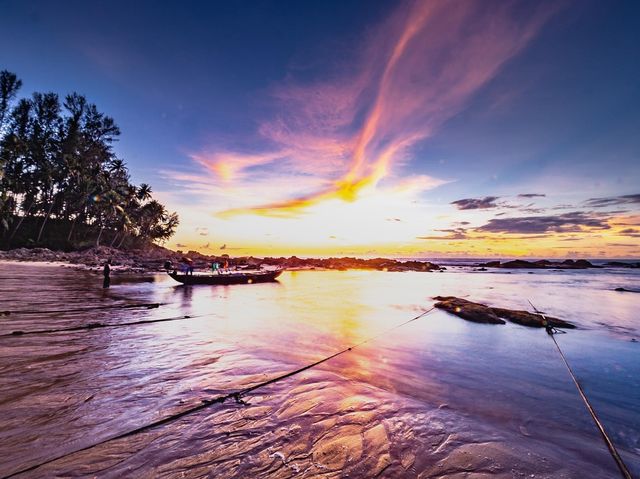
pixel 476 203
pixel 568 222
pixel 357 128
pixel 453 234
pixel 531 195
pixel 631 232
pixel 613 201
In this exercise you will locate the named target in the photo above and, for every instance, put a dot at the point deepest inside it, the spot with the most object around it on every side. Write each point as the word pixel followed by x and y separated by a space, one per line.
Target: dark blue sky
pixel 172 74
pixel 215 92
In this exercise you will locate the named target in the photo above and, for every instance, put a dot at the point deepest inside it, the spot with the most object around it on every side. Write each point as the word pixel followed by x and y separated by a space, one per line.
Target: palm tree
pixel 144 192
pixel 57 161
pixel 15 152
pixel 9 86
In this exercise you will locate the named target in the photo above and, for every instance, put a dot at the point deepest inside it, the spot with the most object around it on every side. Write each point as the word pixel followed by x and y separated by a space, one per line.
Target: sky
pixel 362 128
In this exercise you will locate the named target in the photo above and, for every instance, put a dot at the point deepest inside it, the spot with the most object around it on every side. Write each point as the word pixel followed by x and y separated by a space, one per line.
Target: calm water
pixel 437 397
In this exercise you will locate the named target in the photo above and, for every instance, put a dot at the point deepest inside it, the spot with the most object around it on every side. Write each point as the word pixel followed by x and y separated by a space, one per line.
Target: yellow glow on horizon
pixel 358 229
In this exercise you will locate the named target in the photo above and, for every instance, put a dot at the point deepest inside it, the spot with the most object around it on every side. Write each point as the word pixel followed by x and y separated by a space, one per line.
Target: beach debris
pixel 481 313
pixel 279 455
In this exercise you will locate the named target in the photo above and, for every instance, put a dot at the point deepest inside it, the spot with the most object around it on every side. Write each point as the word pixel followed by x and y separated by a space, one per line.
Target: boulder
pixel 481 313
pixel 476 312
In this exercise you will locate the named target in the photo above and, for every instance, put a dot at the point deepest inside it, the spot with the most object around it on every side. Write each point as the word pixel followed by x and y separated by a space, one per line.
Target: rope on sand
pixel 551 331
pixel 92 326
pixel 79 310
pixel 205 403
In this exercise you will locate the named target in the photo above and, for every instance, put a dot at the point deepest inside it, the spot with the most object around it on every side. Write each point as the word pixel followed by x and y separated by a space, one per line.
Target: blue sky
pixel 246 116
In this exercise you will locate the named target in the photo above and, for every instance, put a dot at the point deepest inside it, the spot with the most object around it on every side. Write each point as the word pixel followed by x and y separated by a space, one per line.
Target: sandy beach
pixel 435 397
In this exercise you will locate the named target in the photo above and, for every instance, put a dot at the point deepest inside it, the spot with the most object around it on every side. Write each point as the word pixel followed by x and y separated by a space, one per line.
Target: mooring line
pixel 79 310
pixel 551 331
pixel 92 326
pixel 205 403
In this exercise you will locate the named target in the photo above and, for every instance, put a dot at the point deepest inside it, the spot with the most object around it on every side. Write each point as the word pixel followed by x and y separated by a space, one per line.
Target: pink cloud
pixel 413 73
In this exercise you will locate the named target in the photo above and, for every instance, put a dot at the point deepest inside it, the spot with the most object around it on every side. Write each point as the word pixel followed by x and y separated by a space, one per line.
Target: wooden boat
pixel 246 277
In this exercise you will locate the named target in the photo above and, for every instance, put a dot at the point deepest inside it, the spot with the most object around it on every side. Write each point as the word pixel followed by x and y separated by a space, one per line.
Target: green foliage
pixel 57 164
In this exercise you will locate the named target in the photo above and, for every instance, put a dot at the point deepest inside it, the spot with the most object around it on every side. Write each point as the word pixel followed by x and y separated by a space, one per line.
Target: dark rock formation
pixel 540 264
pixel 478 313
pixel 379 264
pixel 621 264
pixel 154 257
pixel 481 313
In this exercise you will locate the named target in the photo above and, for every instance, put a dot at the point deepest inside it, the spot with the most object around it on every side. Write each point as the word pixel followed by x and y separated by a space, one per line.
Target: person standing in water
pixel 107 274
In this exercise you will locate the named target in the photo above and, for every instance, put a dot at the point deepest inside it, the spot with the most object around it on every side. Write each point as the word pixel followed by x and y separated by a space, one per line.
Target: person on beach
pixel 106 271
pixel 215 267
pixel 187 266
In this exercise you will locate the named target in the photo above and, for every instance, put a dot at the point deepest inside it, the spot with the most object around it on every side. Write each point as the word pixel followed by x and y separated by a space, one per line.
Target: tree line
pixel 61 182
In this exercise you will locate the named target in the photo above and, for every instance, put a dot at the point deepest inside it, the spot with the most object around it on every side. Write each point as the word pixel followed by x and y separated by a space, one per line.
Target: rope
pixel 612 448
pixel 77 310
pixel 92 326
pixel 205 403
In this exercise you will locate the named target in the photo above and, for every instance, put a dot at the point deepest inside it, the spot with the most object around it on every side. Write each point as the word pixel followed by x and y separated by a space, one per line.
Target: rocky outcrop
pixel 481 313
pixel 379 264
pixel 540 264
pixel 475 312
pixel 154 257
pixel 621 264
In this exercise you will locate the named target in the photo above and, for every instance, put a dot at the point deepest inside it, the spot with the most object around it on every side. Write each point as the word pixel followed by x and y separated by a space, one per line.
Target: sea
pixel 320 374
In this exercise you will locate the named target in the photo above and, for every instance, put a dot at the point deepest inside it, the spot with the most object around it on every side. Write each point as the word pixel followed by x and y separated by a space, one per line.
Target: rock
pixel 153 257
pixel 621 264
pixel 540 264
pixel 481 313
pixel 478 313
pixel 520 263
pixel 533 320
pixel 625 290
pixel 490 264
pixel 345 263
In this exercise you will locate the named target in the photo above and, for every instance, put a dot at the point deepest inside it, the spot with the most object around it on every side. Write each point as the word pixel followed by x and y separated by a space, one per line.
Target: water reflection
pixel 436 397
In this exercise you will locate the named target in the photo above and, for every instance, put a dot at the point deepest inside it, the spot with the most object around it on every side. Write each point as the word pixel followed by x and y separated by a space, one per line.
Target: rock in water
pixel 476 312
pixel 481 313
pixel 525 318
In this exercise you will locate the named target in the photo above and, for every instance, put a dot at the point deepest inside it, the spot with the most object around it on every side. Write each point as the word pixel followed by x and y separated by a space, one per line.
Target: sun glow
pixel 336 167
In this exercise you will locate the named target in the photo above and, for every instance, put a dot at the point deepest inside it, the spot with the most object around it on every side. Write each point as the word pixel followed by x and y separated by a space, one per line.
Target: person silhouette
pixel 107 274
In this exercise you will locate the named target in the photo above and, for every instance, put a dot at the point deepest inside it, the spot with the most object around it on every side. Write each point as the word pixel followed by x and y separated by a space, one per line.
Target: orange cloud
pixel 228 165
pixel 415 71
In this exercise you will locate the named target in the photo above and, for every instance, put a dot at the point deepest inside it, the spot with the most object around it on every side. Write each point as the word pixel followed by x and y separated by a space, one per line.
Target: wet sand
pixel 438 397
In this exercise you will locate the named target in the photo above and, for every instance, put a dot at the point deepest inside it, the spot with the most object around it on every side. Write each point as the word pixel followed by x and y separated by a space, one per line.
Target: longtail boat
pixel 246 277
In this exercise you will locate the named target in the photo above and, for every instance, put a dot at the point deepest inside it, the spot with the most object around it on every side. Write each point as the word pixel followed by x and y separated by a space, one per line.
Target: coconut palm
pixel 57 161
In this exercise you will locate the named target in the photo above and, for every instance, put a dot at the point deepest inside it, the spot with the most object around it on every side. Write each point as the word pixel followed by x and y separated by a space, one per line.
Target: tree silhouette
pixel 57 162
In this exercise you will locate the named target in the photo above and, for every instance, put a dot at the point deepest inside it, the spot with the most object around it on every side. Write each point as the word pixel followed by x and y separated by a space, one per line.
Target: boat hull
pixel 226 278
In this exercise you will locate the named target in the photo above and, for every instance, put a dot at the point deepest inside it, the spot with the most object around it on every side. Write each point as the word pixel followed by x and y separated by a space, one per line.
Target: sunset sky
pixel 462 128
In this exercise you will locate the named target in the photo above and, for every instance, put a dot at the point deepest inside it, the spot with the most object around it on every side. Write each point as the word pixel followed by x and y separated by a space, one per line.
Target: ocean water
pixel 433 397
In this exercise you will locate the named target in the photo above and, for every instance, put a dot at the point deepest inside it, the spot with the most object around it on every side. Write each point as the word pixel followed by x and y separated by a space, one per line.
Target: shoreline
pixel 152 259
pixel 355 396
